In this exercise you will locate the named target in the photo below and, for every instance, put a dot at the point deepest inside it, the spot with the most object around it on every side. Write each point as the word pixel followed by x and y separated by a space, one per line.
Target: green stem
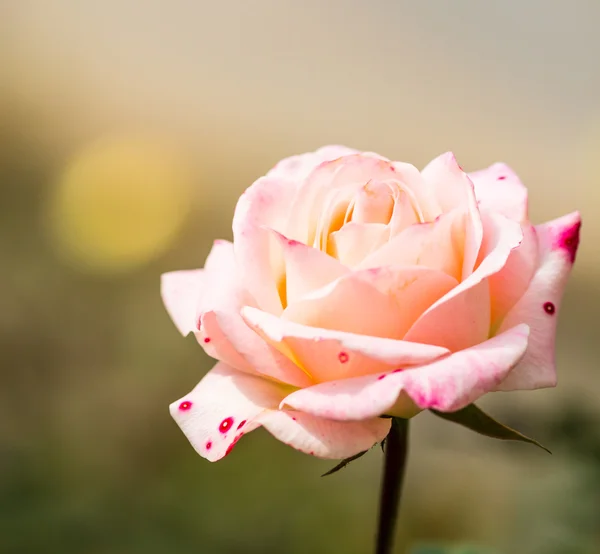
pixel 396 450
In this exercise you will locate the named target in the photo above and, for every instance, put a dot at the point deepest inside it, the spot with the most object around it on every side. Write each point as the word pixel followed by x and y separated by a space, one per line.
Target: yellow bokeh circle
pixel 119 202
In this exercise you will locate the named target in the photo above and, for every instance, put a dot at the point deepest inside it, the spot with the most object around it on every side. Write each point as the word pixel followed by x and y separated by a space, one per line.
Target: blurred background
pixel 128 129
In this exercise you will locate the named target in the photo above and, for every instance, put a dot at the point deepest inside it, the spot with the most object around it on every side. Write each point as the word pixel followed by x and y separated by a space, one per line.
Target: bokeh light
pixel 119 202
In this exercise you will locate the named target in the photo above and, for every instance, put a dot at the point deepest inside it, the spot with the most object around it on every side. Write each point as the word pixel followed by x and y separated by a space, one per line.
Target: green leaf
pixel 344 463
pixel 477 420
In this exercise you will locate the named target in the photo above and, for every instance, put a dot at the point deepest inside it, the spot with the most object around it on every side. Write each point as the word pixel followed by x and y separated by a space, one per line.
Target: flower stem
pixel 396 450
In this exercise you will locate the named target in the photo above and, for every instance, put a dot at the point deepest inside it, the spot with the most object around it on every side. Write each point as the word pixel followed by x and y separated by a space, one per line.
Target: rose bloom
pixel 358 287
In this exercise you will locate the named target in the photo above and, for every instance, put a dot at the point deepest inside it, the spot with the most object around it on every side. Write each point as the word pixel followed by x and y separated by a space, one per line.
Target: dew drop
pixel 207 339
pixel 208 445
pixel 343 357
pixel 185 406
pixel 549 308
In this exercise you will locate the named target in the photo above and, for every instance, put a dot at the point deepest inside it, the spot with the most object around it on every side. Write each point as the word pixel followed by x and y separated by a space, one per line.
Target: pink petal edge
pixel 228 404
pixel 540 305
pixel 448 384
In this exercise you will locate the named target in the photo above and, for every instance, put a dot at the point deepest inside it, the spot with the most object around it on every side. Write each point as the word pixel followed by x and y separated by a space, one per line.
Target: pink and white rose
pixel 357 287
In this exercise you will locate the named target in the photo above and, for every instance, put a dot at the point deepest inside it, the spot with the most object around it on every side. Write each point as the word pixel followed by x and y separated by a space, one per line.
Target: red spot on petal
pixel 549 308
pixel 242 423
pixel 312 452
pixel 397 370
pixel 207 339
pixel 293 419
pixel 184 406
pixel 234 442
pixel 502 177
pixel 226 425
pixel 569 240
pixel 343 357
pixel 208 445
pixel 381 377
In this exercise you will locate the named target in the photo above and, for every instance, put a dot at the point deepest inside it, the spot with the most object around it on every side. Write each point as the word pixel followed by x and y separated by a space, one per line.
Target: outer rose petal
pixel 223 333
pixel 539 306
pixel 327 355
pixel 461 318
pixel 447 385
pixel 324 438
pixel 211 414
pixel 498 189
pixel 180 291
pixel 227 404
pixel 264 206
pixel 298 167
pixel 511 282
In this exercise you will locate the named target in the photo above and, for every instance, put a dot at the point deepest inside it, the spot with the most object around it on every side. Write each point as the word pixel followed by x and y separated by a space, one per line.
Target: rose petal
pixel 227 404
pixel 447 384
pixel 407 211
pixel 355 241
pixel 212 413
pixel 437 245
pixel 349 304
pixel 223 333
pixel 264 206
pixel 374 203
pixel 296 168
pixel 418 190
pixel 324 438
pixel 539 306
pixel 307 268
pixel 511 282
pixel 453 189
pixel 498 189
pixel 461 318
pixel 379 302
pixel 326 355
pixel 349 172
pixel 180 292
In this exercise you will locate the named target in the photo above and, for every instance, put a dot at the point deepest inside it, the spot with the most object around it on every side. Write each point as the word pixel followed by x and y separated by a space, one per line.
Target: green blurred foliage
pixel 441 549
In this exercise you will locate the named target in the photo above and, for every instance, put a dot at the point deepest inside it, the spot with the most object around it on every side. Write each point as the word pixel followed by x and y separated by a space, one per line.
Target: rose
pixel 357 287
